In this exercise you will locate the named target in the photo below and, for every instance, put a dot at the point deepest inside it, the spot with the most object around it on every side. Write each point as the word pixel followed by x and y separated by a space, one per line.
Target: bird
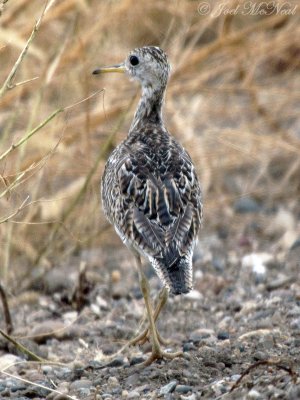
pixel 151 193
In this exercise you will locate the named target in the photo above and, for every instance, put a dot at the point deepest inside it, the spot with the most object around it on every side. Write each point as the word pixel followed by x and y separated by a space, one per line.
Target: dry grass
pixel 232 101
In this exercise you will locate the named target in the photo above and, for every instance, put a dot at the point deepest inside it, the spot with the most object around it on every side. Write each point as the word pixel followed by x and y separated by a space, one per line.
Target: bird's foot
pixel 158 354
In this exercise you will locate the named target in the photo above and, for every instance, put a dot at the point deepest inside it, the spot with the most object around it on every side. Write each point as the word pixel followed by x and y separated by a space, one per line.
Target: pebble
pixel 194 295
pixel 102 303
pixel 191 397
pixel 132 380
pixel 136 360
pixel 17 387
pixel 295 324
pixel 222 335
pixel 259 355
pixel 8 359
pixel 46 369
pixel 200 334
pixel 253 394
pixel 294 312
pixel 279 282
pixel 257 262
pixel 235 377
pixel 188 346
pixel 50 329
pixel 115 276
pixel 116 362
pixel 168 388
pixel 283 221
pixel 57 280
pixel 133 395
pixel 113 381
pixel 81 384
pixel 119 291
pixel 183 389
pixel 63 373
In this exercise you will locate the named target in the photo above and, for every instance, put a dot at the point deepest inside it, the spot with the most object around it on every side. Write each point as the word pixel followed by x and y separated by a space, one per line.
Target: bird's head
pixel 149 65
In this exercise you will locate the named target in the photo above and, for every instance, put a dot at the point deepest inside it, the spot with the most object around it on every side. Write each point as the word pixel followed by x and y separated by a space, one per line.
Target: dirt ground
pixel 239 329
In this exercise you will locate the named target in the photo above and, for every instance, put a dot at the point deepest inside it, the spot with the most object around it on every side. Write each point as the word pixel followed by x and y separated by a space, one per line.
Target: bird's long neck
pixel 149 108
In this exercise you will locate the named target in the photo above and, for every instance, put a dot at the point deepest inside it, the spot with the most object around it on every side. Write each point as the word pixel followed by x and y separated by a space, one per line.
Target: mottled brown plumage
pixel 150 191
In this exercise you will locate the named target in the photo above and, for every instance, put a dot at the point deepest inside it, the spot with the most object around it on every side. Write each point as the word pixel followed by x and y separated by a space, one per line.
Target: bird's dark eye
pixel 134 60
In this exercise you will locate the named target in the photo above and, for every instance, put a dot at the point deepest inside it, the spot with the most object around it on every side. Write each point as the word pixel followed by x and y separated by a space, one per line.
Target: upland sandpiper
pixel 150 191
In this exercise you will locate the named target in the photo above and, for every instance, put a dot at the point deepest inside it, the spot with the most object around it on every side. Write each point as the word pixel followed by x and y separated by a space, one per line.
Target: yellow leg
pixel 157 352
pixel 142 337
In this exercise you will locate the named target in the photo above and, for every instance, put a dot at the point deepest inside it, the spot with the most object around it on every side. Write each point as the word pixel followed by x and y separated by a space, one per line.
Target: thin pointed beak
pixel 113 68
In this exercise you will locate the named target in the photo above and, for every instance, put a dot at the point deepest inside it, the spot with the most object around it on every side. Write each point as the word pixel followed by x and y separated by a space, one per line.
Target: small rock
pixel 259 355
pixel 194 295
pixel 253 394
pixel 235 377
pixel 295 324
pixel 168 388
pixel 184 389
pixel 133 395
pixel 95 309
pixel 294 312
pixel 188 346
pixel 113 381
pixel 46 369
pixel 8 359
pixel 190 397
pixel 63 373
pixel 199 334
pixel 57 280
pixel 119 291
pixel 81 384
pixel 257 262
pixel 102 303
pixel 116 362
pixel 136 360
pixel 50 329
pixel 18 387
pixel 115 276
pixel 132 380
pixel 222 335
pixel 283 221
pixel 279 282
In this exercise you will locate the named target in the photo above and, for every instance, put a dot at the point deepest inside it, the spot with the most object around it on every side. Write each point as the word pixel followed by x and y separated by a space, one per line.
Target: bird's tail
pixel 178 276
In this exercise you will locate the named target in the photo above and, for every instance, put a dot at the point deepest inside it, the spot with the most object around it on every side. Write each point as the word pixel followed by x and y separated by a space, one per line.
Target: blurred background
pixel 232 101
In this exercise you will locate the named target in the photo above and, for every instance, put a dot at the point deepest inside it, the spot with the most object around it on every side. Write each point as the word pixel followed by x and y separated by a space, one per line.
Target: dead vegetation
pixel 232 101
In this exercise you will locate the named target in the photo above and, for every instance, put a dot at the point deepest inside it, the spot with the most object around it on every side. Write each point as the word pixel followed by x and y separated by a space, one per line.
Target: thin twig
pixel 43 123
pixel 39 385
pixel 31 133
pixel 7 85
pixel 6 312
pixel 268 363
pixel 24 82
pixel 22 348
pixel 20 208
